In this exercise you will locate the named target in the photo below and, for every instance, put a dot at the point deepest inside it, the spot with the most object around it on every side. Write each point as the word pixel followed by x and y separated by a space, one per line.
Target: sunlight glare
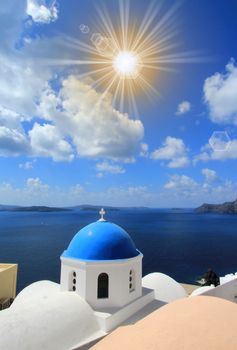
pixel 127 64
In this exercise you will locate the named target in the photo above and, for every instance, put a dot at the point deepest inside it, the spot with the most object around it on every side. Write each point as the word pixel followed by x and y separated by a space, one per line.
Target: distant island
pixel 31 209
pixel 94 207
pixel 225 208
pixel 84 207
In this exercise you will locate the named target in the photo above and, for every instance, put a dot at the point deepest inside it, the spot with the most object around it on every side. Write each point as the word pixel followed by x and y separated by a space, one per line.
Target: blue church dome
pixel 101 240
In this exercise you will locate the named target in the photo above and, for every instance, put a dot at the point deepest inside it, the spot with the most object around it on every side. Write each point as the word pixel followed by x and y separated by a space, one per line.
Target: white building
pixel 103 266
pixel 101 288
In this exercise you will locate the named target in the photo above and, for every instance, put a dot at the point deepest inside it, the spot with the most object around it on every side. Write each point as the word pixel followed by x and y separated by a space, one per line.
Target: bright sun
pixel 127 64
pixel 124 57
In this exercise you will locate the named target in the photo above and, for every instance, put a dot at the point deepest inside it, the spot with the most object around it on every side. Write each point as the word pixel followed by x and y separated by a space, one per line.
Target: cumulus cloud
pixel 40 13
pixel 35 185
pixel 195 193
pixel 208 153
pixel 106 167
pixel 46 141
pixel 79 119
pixel 97 129
pixel 95 132
pixel 181 182
pixel 210 175
pixel 174 151
pixel 21 79
pixel 220 94
pixel 183 107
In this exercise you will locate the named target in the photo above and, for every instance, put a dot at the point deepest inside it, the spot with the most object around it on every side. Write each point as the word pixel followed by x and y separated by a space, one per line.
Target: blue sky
pixel 56 148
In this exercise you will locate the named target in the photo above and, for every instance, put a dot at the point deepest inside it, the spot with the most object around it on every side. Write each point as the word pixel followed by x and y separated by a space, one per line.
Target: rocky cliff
pixel 225 208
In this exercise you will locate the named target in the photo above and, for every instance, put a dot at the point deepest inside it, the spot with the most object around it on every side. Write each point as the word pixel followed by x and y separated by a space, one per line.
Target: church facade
pixel 103 266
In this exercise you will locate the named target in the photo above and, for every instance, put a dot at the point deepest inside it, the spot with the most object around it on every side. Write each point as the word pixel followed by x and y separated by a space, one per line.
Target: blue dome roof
pixel 101 240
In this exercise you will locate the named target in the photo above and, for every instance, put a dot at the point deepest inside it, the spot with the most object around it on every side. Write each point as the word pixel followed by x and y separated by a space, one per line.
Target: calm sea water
pixel 182 244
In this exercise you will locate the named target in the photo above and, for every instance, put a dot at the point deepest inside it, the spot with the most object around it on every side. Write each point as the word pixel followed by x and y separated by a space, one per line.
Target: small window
pixel 103 286
pixel 73 281
pixel 131 281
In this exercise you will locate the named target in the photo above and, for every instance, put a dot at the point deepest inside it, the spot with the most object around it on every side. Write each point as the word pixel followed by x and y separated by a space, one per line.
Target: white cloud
pixel 220 94
pixel 95 132
pixel 35 185
pixel 36 192
pixel 12 142
pixel 208 153
pixel 21 78
pixel 173 150
pixel 21 83
pixel 98 131
pixel 26 166
pixel 183 107
pixel 195 193
pixel 144 150
pixel 210 175
pixel 181 182
pixel 106 167
pixel 11 15
pixel 41 13
pixel 46 141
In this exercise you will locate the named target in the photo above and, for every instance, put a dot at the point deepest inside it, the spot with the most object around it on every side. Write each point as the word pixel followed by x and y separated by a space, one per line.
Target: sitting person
pixel 211 278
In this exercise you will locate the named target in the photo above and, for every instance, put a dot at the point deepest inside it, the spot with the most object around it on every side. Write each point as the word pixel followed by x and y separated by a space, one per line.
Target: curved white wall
pixel 166 288
pixel 42 317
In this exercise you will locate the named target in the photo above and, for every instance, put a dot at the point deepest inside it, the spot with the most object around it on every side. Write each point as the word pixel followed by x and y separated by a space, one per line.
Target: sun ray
pixel 117 90
pixel 126 57
pixel 100 81
pixel 148 86
pixel 97 71
pixel 148 19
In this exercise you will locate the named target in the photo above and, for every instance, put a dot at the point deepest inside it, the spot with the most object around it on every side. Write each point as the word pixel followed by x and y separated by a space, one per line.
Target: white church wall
pixel 87 273
pixel 68 266
pixel 118 273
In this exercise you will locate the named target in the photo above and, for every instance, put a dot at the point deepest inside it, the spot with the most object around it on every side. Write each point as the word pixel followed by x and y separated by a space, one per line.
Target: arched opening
pixel 103 286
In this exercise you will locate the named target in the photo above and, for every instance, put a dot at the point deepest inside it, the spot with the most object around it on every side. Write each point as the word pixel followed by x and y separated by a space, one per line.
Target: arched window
pixel 131 281
pixel 103 286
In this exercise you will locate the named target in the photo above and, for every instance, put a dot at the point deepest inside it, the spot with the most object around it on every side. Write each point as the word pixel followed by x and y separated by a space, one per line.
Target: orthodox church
pixel 101 287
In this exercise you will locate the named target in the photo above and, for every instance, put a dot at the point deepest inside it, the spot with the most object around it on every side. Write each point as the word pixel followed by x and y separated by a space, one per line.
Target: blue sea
pixel 182 243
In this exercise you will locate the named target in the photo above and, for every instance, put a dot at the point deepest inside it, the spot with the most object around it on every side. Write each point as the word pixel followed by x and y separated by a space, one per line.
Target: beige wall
pixel 8 278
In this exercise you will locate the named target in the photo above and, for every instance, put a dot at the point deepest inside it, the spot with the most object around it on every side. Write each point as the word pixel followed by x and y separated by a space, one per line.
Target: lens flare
pixel 124 59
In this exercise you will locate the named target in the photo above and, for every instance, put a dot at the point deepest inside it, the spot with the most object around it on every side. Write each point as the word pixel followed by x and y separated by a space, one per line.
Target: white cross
pixel 102 213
